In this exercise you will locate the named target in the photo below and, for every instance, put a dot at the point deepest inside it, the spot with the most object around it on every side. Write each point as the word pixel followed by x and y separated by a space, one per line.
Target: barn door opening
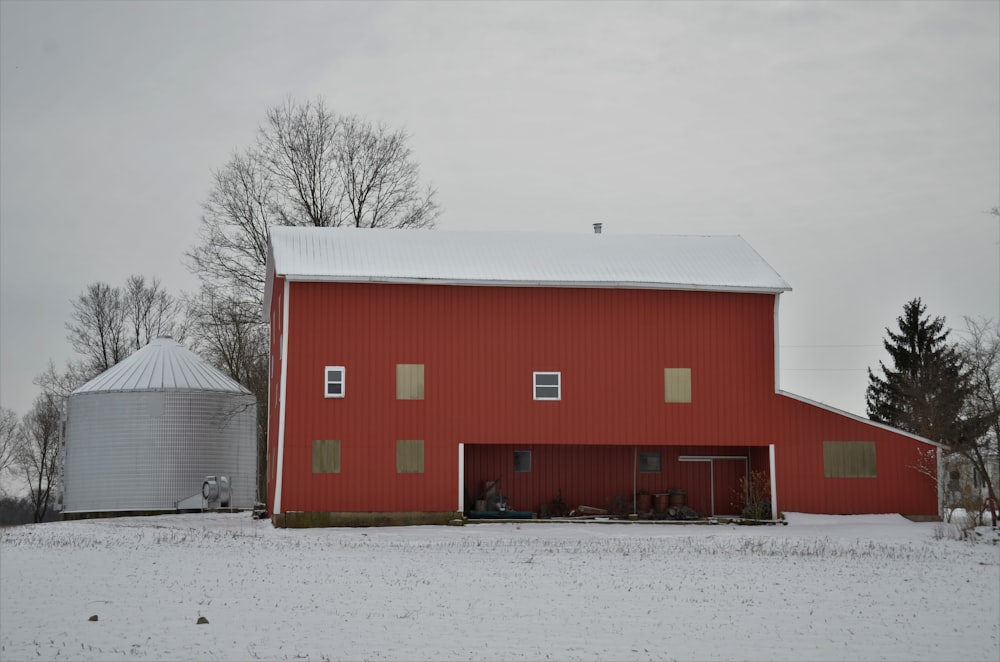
pixel 723 477
pixel 726 474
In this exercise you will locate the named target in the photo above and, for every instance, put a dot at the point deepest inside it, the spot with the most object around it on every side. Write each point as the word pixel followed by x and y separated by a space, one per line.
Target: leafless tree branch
pixel 309 166
pixel 10 428
pixel 38 451
pixel 97 326
pixel 980 445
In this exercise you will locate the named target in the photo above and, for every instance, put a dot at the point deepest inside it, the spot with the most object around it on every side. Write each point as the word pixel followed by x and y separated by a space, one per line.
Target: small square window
pixel 522 462
pixel 334 379
pixel 649 463
pixel 548 385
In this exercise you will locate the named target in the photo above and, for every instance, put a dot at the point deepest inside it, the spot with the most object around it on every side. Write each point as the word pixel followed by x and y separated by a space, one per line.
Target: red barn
pixel 411 369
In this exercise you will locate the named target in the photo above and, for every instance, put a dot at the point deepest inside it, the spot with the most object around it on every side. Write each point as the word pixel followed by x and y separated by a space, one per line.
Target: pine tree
pixel 925 390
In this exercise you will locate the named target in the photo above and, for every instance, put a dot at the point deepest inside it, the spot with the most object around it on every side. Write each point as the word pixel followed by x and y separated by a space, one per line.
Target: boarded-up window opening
pixel 326 456
pixel 677 384
pixel 409 381
pixel 410 456
pixel 849 459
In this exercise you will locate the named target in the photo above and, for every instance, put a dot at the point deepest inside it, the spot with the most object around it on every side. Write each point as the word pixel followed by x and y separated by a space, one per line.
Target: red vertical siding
pixel 802 486
pixel 480 345
pixel 726 496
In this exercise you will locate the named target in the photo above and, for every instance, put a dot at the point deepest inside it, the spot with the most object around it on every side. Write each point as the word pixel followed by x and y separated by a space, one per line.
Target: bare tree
pixel 229 334
pixel 233 236
pixel 109 323
pixel 148 310
pixel 379 178
pixel 980 443
pixel 311 167
pixel 61 384
pixel 97 327
pixel 38 452
pixel 9 431
pixel 300 143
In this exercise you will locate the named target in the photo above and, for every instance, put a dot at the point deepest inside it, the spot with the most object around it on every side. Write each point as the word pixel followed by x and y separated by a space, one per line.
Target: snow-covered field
pixel 822 588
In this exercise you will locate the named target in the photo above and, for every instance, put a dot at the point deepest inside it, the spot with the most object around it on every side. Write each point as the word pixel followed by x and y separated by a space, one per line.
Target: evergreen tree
pixel 926 388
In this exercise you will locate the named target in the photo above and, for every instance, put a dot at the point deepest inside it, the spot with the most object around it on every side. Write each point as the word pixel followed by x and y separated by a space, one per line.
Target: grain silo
pixel 148 433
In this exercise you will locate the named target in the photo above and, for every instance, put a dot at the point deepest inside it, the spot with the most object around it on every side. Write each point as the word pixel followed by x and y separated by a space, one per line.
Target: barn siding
pixel 479 347
pixel 799 464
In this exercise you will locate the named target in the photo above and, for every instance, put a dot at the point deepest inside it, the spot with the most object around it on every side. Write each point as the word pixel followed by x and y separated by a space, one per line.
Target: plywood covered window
pixel 522 461
pixel 849 459
pixel 410 456
pixel 677 384
pixel 409 381
pixel 326 456
pixel 334 378
pixel 548 385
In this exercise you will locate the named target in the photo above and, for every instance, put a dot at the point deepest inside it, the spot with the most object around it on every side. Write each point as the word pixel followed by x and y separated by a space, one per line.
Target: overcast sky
pixel 855 145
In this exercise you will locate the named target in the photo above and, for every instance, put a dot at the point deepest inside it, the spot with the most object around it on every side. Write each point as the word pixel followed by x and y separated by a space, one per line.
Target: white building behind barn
pixel 145 434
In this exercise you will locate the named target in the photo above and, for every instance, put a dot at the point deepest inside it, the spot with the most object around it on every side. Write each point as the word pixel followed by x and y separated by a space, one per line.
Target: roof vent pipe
pixel 597 228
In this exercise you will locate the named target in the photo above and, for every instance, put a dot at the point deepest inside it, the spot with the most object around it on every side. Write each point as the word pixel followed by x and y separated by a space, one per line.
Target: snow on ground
pixel 821 588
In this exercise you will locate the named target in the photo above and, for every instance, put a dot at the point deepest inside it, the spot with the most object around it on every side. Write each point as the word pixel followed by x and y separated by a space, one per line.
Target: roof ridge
pixel 520 259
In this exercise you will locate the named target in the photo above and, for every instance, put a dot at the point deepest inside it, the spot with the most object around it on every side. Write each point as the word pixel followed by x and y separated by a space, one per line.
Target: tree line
pixel 308 166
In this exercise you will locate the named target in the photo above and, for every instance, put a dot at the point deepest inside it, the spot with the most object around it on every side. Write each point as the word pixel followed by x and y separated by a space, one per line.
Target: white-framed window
pixel 548 385
pixel 334 381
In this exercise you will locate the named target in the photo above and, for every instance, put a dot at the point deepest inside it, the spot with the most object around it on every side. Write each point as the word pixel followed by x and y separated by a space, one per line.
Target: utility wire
pixel 823 369
pixel 786 346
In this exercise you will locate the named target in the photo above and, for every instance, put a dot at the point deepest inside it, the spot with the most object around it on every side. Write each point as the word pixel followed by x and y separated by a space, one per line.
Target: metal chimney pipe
pixel 597 228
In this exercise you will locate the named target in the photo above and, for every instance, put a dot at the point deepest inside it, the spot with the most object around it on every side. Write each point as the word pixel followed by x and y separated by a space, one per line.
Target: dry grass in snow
pixel 821 588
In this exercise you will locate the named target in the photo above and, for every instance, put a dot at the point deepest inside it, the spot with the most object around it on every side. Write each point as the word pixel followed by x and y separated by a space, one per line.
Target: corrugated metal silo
pixel 144 434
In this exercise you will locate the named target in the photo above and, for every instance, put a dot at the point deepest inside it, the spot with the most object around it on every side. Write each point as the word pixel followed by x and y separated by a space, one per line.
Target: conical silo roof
pixel 162 365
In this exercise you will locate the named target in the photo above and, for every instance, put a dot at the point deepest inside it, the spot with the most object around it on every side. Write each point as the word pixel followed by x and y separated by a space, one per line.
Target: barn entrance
pixel 556 480
pixel 718 487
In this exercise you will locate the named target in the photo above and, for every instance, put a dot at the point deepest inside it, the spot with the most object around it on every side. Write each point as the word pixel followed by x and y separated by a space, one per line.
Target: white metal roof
pixel 520 259
pixel 163 364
